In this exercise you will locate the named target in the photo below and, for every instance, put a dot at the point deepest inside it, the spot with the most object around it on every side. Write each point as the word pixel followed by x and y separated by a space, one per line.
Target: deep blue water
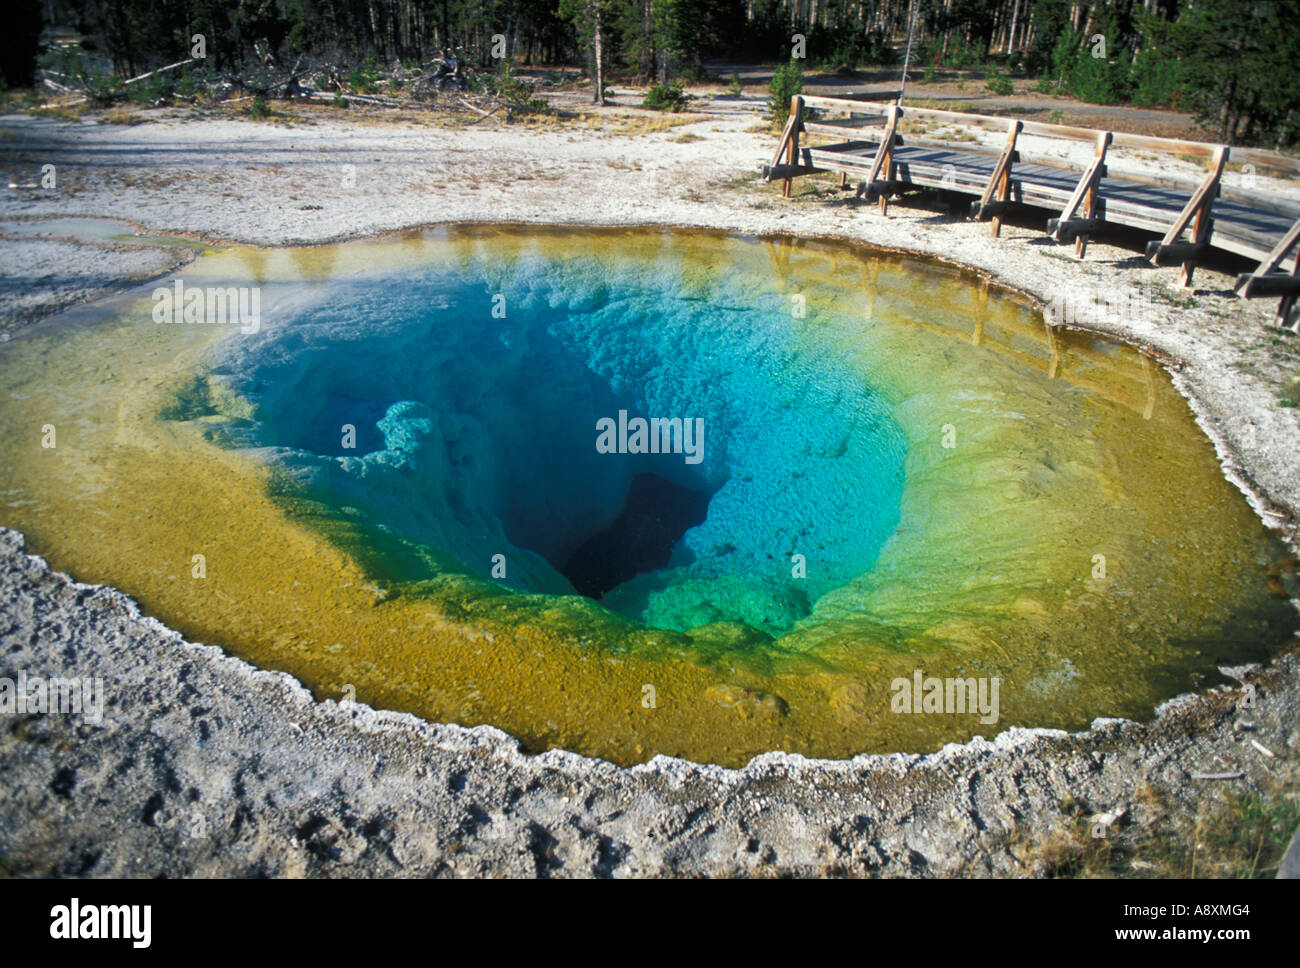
pixel 476 435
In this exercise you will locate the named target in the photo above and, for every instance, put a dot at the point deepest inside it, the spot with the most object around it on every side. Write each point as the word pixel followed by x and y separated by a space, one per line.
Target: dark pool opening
pixel 655 515
pixel 402 407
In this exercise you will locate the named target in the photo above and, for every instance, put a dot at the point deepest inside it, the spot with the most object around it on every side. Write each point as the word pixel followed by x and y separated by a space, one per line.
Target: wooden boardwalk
pixel 1190 216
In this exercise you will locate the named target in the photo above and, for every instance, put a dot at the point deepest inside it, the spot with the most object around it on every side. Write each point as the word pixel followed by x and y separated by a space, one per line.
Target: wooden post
pixel 883 163
pixel 1088 192
pixel 1273 259
pixel 1201 230
pixel 1287 303
pixel 999 184
pixel 1198 207
pixel 1095 204
pixel 1265 281
pixel 779 156
pixel 888 170
pixel 792 145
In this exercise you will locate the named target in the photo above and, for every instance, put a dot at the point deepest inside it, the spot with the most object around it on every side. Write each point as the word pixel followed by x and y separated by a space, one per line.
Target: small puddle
pixel 412 474
pixel 92 230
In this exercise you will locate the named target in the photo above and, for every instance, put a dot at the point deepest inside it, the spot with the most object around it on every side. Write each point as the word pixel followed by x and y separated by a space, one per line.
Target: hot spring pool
pixel 639 491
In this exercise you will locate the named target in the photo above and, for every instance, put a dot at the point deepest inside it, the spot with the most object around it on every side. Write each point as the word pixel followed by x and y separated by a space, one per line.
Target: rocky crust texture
pixel 45 275
pixel 203 765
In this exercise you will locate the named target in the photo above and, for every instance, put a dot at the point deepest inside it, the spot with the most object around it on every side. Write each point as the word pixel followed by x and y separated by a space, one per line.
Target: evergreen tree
pixel 1237 64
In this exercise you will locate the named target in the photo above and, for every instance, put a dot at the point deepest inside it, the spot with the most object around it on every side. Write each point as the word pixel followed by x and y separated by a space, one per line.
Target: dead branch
pixel 188 60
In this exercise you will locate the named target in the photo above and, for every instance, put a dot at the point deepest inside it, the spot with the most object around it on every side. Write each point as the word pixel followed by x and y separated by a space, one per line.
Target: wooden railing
pixel 874 128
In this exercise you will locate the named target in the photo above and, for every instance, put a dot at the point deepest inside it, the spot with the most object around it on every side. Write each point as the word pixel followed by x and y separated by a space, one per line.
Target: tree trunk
pixel 648 42
pixel 598 94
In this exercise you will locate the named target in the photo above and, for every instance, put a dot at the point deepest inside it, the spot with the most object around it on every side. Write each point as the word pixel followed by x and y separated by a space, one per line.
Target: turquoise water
pixel 476 400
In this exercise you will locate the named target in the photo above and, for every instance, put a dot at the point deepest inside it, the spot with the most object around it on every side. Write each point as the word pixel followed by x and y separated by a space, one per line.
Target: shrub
pixel 260 109
pixel 362 80
pixel 998 83
pixel 1098 80
pixel 519 93
pixel 152 90
pixel 1074 70
pixel 735 88
pixel 963 55
pixel 665 97
pixel 1155 80
pixel 190 87
pixel 786 83
pixel 103 89
pixel 510 88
